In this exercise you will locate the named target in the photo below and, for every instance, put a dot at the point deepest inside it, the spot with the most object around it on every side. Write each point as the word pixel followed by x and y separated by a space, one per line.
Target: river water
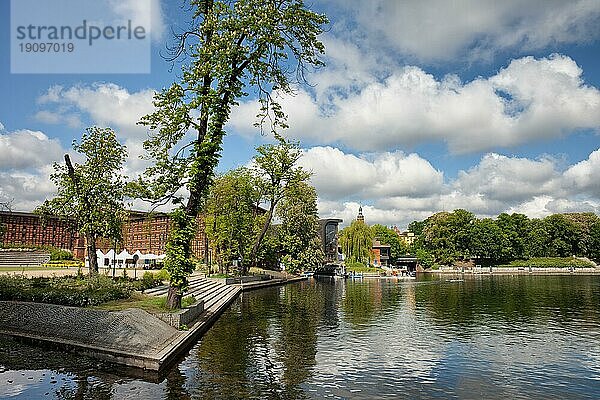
pixel 490 337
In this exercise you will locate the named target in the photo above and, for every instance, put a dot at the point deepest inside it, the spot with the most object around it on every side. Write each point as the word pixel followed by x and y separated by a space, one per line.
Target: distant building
pixel 381 254
pixel 360 216
pixel 407 237
pixel 143 232
pixel 28 229
pixel 328 234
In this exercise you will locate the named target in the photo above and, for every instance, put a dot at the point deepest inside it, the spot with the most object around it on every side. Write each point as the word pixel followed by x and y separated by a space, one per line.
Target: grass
pixel 220 276
pixel 21 269
pixel 358 267
pixel 152 304
pixel 550 262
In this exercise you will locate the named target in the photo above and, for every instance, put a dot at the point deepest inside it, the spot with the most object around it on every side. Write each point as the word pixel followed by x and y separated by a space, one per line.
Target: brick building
pixel 28 229
pixel 146 232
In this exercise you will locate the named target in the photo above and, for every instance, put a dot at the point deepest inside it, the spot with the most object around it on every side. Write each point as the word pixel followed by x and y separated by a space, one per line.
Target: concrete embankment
pixel 132 337
pixel 518 271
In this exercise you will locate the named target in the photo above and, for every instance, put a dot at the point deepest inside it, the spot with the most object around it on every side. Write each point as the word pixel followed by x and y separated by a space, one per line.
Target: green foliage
pixel 488 241
pixel 67 291
pixel 356 242
pixel 231 214
pixel 91 194
pixel 447 235
pixel 275 167
pixel 425 258
pixel 390 237
pixel 509 237
pixel 178 263
pixel 358 267
pixel 231 45
pixel 60 254
pixel 299 230
pixel 149 280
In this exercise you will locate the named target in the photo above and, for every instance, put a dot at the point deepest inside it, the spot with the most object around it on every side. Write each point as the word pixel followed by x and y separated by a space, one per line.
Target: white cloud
pixel 438 30
pixel 530 99
pixel 26 159
pixel 147 13
pixel 28 149
pixel 338 175
pixel 584 176
pixel 106 104
pixel 509 178
pixel 496 184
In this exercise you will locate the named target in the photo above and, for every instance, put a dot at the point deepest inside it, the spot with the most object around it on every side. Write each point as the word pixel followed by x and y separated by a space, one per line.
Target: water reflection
pixel 492 337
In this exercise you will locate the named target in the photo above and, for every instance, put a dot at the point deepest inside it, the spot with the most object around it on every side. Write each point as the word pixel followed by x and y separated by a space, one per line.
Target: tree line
pixel 446 237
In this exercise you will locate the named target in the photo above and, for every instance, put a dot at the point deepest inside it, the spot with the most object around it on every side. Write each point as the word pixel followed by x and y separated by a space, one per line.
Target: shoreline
pixel 516 271
pixel 30 322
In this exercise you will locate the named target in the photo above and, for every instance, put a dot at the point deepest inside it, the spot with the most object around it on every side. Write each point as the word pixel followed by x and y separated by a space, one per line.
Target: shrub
pixel 148 281
pixel 69 291
pixel 59 254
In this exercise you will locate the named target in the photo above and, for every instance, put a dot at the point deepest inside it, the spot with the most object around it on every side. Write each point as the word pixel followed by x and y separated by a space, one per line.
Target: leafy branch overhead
pixel 266 45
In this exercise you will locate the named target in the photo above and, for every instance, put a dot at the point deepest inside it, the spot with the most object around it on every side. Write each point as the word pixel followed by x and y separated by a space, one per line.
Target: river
pixel 491 337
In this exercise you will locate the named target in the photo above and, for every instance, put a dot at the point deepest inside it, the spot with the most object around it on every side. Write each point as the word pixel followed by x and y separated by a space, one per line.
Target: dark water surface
pixel 488 337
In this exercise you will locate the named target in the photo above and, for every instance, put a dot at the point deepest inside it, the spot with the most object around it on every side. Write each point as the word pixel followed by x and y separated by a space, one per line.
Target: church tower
pixel 360 216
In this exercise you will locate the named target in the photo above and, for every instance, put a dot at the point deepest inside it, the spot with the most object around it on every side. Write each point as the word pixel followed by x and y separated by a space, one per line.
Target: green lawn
pixel 20 269
pixel 357 267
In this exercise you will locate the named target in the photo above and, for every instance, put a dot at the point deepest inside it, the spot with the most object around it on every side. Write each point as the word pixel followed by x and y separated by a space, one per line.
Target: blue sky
pixel 423 106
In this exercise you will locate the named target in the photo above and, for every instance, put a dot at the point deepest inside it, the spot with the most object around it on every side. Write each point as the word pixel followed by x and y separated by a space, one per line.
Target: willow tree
pixel 356 242
pixel 91 194
pixel 233 46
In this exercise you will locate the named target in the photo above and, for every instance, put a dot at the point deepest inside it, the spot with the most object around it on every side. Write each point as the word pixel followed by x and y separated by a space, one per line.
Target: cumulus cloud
pixel 498 183
pixel 530 99
pixel 106 104
pixel 26 159
pixel 584 176
pixel 438 30
pixel 148 13
pixel 339 175
pixel 25 149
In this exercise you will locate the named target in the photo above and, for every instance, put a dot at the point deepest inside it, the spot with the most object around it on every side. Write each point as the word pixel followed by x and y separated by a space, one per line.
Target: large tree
pixel 278 173
pixel 299 230
pixel 91 194
pixel 230 215
pixel 232 46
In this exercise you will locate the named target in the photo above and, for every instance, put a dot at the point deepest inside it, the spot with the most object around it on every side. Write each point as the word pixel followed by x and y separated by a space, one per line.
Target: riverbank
pixel 131 337
pixel 516 270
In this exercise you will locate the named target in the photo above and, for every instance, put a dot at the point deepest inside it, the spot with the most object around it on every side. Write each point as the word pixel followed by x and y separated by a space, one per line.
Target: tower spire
pixel 360 216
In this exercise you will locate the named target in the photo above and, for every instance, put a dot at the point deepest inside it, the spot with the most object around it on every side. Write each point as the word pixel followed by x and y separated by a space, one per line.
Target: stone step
pixel 216 295
pixel 197 284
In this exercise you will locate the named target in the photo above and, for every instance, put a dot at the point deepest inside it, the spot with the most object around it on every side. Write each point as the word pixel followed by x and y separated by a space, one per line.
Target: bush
pixel 68 291
pixel 148 281
pixel 59 254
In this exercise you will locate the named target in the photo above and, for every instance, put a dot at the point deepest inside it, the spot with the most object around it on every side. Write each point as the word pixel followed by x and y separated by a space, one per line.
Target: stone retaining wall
pixel 131 331
pixel 185 316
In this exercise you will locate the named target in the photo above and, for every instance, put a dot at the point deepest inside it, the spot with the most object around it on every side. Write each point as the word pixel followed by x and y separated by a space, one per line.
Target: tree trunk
pixel 262 234
pixel 92 258
pixel 173 298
